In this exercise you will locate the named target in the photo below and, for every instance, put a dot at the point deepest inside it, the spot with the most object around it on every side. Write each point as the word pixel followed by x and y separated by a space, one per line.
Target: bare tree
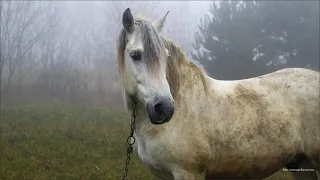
pixel 18 33
pixel 64 51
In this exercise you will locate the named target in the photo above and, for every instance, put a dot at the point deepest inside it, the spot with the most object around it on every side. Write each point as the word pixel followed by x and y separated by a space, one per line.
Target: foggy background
pixel 62 114
pixel 62 52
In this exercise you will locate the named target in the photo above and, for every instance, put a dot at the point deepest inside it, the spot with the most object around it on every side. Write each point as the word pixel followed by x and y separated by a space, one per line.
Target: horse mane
pixel 177 60
pixel 175 64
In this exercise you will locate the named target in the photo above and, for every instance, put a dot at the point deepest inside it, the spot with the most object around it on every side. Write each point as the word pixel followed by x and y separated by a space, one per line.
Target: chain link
pixel 131 140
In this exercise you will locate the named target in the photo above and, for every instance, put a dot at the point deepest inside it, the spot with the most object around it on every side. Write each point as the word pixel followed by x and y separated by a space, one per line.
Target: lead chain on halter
pixel 131 140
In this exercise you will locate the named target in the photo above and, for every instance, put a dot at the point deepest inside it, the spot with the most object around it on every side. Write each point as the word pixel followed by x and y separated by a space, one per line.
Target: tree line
pixel 243 39
pixel 63 52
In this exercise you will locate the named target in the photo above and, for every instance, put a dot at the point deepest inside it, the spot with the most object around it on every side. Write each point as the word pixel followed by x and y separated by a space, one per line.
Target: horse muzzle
pixel 160 110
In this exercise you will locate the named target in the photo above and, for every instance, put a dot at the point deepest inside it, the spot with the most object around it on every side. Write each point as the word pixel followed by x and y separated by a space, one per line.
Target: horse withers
pixel 191 126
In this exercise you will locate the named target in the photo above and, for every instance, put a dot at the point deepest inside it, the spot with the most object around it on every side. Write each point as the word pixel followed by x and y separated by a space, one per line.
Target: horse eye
pixel 136 55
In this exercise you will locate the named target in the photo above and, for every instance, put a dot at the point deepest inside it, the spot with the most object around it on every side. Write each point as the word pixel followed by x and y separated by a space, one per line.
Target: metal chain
pixel 131 140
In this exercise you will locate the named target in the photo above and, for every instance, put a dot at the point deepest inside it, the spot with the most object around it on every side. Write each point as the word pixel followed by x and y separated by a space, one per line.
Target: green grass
pixel 65 143
pixel 54 142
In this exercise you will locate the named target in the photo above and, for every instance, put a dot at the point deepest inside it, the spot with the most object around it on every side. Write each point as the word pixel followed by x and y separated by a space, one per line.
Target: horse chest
pixel 147 152
pixel 145 155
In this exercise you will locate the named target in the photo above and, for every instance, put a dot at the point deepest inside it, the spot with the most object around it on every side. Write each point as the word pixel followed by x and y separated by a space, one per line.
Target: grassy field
pixel 51 142
pixel 46 142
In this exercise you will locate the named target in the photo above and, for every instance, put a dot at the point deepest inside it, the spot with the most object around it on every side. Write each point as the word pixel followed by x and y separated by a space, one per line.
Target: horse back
pixel 298 91
pixel 274 115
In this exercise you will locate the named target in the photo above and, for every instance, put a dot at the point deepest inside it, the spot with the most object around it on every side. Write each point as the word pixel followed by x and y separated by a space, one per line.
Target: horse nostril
pixel 161 111
pixel 158 108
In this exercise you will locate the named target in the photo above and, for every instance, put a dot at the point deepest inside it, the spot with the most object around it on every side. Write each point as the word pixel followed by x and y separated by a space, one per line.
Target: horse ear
pixel 158 24
pixel 128 21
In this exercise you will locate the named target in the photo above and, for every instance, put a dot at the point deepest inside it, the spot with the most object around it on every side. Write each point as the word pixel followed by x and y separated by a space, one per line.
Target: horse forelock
pixel 153 44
